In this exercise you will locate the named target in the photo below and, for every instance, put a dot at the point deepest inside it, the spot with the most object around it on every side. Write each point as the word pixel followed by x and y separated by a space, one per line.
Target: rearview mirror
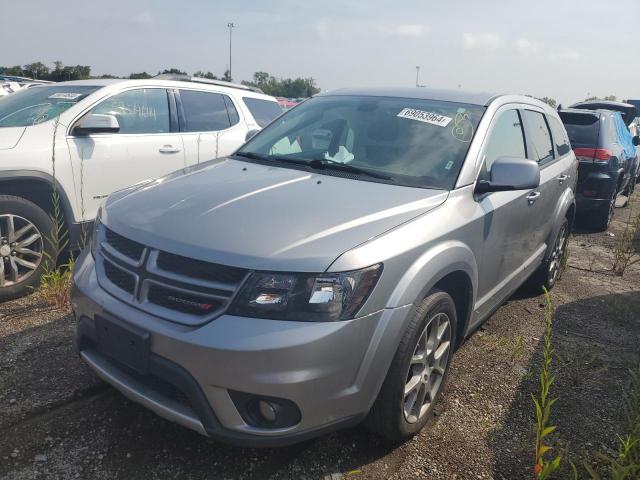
pixel 97 123
pixel 511 173
pixel 636 140
pixel 250 134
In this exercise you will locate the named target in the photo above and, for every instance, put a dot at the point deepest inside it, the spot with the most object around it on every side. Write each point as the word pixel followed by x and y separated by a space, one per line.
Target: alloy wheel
pixel 555 260
pixel 21 249
pixel 427 368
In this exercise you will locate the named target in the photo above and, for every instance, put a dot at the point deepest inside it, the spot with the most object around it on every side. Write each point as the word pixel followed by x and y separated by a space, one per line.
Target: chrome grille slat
pixel 152 266
pixel 160 282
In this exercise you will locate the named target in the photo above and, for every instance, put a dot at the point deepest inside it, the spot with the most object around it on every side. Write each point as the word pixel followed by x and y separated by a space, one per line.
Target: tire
pixel 390 416
pixel 550 271
pixel 26 249
pixel 602 216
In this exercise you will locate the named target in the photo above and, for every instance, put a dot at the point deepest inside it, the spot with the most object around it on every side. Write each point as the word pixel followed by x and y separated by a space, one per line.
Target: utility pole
pixel 417 73
pixel 230 25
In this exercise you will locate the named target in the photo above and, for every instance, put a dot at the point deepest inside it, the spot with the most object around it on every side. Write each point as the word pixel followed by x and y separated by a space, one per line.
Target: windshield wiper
pixel 271 158
pixel 326 164
pixel 317 164
pixel 251 155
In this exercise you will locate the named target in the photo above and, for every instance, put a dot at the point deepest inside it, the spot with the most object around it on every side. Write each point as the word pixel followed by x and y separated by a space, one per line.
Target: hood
pixel 262 217
pixel 627 110
pixel 10 136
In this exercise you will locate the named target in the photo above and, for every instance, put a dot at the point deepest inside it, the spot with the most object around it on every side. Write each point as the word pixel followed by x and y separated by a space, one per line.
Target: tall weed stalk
pixel 545 467
pixel 55 282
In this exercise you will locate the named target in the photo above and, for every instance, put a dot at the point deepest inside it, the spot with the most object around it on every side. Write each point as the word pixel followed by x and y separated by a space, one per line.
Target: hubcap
pixel 555 261
pixel 21 249
pixel 427 367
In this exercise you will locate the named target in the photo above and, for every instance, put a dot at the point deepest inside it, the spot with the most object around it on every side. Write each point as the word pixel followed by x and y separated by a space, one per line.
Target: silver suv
pixel 325 272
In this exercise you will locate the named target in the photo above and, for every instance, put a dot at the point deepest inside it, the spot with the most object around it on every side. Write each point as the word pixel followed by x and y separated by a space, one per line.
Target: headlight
pixel 96 233
pixel 324 297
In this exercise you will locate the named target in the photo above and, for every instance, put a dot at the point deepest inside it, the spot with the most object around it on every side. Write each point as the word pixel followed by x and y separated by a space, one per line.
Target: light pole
pixel 230 25
pixel 417 73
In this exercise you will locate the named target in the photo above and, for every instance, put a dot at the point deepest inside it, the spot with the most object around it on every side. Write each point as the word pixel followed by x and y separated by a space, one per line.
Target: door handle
pixel 562 178
pixel 168 149
pixel 532 197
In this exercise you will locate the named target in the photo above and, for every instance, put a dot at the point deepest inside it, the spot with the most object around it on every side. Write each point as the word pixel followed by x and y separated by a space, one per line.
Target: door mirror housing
pixel 250 134
pixel 636 140
pixel 96 123
pixel 511 173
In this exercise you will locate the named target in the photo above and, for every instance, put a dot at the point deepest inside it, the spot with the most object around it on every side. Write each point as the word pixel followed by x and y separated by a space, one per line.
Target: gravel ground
pixel 57 420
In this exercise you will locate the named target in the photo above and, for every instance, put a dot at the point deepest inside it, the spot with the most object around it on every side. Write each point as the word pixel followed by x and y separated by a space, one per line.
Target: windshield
pixel 408 141
pixel 31 106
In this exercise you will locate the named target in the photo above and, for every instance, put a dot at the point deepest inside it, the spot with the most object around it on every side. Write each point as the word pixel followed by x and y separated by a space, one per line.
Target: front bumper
pixel 332 371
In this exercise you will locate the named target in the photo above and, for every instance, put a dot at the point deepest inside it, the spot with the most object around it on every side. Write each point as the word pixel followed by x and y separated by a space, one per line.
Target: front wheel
pixel 418 371
pixel 23 247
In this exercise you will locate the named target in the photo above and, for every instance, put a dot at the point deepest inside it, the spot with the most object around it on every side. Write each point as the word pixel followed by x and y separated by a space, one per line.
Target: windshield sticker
pixel 448 165
pixel 66 95
pixel 426 117
pixel 462 129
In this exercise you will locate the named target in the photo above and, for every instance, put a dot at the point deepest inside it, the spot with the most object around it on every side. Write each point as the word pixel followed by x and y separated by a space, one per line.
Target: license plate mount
pixel 124 343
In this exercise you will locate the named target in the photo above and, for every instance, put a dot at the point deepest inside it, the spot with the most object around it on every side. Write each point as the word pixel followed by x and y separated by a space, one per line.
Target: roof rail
pixel 221 83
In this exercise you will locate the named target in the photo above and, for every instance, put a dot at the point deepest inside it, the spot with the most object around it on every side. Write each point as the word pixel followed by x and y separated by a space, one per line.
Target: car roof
pixel 582 111
pixel 627 110
pixel 108 82
pixel 459 96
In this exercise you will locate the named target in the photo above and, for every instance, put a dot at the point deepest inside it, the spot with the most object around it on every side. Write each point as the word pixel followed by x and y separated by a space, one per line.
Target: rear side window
pixel 231 110
pixel 539 137
pixel 204 111
pixel 583 129
pixel 506 140
pixel 262 110
pixel 559 136
pixel 144 110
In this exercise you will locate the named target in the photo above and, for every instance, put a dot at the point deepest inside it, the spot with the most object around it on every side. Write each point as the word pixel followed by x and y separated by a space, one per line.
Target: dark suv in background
pixel 607 160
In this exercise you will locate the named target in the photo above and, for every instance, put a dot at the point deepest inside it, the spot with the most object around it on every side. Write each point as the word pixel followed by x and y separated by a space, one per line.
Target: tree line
pixel 278 87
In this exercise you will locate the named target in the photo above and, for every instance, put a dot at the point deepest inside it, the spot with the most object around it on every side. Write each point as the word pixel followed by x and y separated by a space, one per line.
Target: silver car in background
pixel 325 273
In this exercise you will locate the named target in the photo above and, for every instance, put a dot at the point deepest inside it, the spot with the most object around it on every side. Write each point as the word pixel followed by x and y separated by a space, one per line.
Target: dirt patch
pixel 58 421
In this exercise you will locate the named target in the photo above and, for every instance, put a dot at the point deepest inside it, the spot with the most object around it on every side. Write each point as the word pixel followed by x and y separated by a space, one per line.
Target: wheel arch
pixel 36 187
pixel 450 267
pixel 565 209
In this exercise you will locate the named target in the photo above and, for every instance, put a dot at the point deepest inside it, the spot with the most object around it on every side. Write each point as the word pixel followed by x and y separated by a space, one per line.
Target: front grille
pixel 121 279
pixel 192 304
pixel 180 289
pixel 123 245
pixel 198 269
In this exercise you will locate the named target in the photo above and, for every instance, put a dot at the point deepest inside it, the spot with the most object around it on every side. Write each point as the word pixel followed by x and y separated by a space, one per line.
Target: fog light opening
pixel 268 410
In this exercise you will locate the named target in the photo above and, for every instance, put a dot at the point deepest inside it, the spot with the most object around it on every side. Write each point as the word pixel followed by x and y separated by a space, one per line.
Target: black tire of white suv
pixel 395 415
pixel 24 228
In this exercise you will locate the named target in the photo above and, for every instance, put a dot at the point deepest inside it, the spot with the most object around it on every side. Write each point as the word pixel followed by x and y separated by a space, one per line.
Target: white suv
pixel 110 134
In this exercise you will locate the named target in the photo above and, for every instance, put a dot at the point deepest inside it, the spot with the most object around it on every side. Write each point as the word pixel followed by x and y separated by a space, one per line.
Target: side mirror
pixel 250 134
pixel 636 140
pixel 96 123
pixel 511 173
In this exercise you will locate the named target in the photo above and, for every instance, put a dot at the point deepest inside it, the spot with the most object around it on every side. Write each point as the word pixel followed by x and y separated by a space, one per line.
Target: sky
pixel 564 49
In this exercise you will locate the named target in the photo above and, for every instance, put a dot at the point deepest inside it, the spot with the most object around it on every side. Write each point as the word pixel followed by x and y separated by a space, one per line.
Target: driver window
pixel 145 110
pixel 506 139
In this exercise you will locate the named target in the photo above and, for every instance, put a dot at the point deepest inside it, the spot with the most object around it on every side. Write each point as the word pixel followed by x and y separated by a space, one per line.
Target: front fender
pixel 431 267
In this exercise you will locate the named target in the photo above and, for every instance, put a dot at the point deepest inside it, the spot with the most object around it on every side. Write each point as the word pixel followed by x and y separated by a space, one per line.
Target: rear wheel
pixel 418 372
pixel 23 247
pixel 602 216
pixel 550 271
